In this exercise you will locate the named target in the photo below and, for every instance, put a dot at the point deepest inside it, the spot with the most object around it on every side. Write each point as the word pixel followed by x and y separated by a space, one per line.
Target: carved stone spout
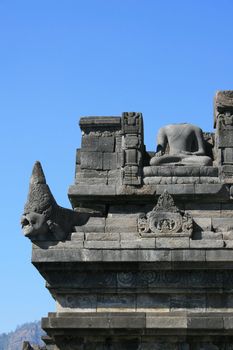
pixel 43 218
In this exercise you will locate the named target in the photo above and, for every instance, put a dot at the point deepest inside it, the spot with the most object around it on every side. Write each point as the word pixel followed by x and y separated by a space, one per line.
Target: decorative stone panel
pixel 132 147
pixel 166 219
pixel 223 121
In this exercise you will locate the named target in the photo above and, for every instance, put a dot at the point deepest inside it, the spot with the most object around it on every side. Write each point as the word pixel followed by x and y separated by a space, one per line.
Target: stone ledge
pixel 181 171
pixel 159 180
pixel 99 121
pixel 115 192
pixel 115 240
pixel 139 320
pixel 191 256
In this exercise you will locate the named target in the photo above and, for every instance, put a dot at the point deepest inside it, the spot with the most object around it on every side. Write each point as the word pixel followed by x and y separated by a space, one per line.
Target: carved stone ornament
pixel 225 120
pixel 165 219
pixel 43 219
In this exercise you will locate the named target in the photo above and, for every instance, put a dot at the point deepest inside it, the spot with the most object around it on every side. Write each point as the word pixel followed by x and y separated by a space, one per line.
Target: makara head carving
pixel 39 205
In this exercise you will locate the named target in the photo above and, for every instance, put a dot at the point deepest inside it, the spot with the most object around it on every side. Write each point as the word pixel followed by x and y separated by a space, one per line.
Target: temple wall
pixel 144 261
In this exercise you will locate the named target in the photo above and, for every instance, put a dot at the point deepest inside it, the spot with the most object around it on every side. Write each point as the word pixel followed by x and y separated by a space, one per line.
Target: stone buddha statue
pixel 180 144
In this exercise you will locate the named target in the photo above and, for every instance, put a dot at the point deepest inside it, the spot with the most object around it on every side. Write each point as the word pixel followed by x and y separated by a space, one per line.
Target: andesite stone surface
pixel 144 260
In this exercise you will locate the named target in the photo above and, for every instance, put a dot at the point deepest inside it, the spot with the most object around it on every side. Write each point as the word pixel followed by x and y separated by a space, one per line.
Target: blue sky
pixel 60 60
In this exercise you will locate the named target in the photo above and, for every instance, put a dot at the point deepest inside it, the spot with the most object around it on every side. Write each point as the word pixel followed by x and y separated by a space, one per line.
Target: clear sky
pixel 62 59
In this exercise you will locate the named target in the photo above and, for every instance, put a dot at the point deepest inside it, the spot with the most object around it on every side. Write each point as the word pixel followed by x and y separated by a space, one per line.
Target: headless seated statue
pixel 180 144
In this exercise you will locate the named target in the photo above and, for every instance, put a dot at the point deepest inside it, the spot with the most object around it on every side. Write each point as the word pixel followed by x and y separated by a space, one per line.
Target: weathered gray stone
pixel 77 236
pixel 226 209
pixel 195 302
pixel 227 171
pixel 165 180
pixel 94 224
pixel 186 180
pixel 209 189
pixel 219 255
pixel 101 244
pixel 206 243
pixel 152 180
pixel 90 143
pixel 205 322
pixel 128 321
pixel 202 224
pixel 131 210
pixel 109 161
pixel 121 224
pixel 114 176
pixel 91 160
pixel 203 210
pixel 118 146
pixel 227 235
pixel 228 244
pixel 219 302
pixel 116 303
pixel 95 236
pixel 172 243
pixel 154 255
pixel 187 255
pixel 129 255
pixel 222 224
pixel 207 235
pixel 158 321
pixel 76 303
pixel 106 144
pixel 144 243
pixel 176 189
pixel 112 255
pixel 128 236
pixel 185 171
pixel 66 255
pixel 91 190
pixel 209 171
pixel 93 175
pixel 228 322
pixel 209 180
pixel 153 302
pixel 78 158
pixel 93 122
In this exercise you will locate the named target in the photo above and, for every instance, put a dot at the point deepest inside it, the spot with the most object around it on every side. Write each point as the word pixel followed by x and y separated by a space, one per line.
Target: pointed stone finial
pixel 38 176
pixel 40 197
pixel 166 202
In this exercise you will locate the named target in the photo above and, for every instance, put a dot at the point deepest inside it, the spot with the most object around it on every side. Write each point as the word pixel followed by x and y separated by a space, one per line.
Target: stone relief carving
pixel 181 144
pixel 43 218
pixel 225 120
pixel 131 122
pixel 166 219
pixel 148 278
pixel 132 147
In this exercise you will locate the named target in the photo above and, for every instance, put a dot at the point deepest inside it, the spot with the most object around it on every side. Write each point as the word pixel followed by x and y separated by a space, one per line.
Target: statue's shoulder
pixel 195 128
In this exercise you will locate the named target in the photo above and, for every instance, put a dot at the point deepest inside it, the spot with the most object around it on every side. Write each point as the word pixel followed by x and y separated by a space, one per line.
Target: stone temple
pixel 144 260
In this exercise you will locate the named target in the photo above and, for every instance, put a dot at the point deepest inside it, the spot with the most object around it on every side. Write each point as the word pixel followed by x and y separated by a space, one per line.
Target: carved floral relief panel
pixel 166 219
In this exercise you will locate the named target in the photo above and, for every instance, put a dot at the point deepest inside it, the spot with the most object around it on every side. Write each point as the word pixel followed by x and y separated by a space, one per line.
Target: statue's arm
pixel 161 142
pixel 200 142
